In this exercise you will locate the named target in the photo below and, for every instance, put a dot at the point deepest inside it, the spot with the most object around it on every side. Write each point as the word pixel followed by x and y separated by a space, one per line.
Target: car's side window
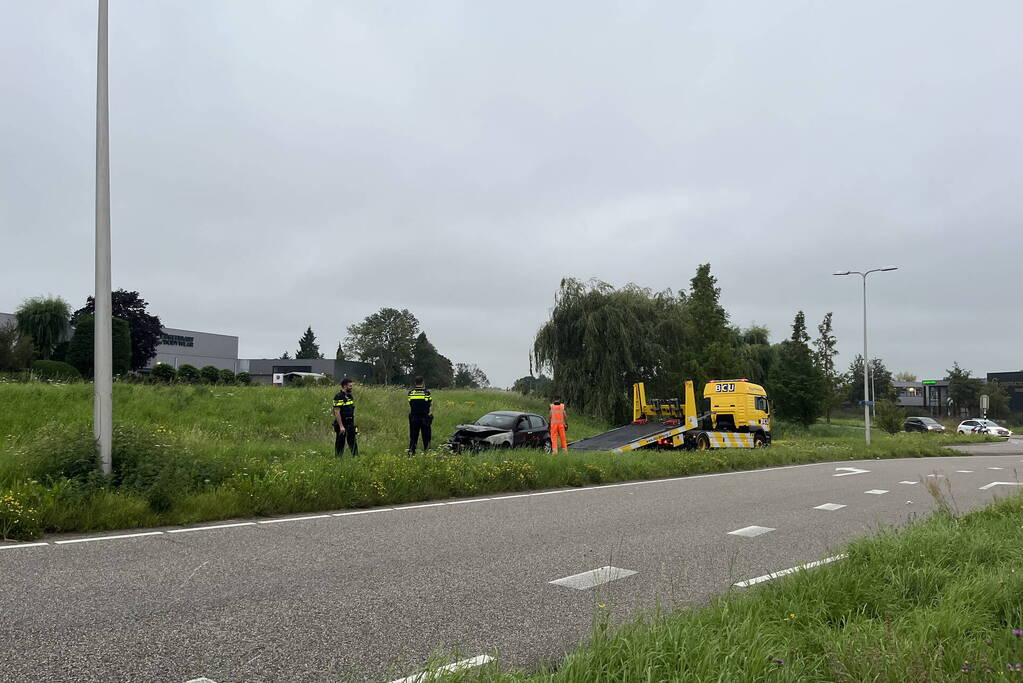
pixel 970 423
pixel 523 424
pixel 536 422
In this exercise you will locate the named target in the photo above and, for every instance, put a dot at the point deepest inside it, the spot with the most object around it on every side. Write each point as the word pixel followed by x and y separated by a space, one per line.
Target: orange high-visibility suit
pixel 558 425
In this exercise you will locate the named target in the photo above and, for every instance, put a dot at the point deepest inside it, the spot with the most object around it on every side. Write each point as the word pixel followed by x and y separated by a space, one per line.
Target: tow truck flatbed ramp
pixel 628 437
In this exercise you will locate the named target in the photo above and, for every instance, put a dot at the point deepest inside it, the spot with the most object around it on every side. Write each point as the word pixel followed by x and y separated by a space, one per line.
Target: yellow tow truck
pixel 734 413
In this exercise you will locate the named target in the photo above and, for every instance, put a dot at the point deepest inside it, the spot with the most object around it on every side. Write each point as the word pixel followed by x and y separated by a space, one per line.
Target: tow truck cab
pixel 737 405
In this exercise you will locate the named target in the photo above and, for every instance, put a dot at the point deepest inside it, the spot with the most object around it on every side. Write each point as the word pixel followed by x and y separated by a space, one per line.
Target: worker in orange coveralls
pixel 559 424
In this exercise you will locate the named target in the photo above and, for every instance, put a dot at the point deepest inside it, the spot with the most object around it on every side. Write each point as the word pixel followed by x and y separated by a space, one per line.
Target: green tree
pixel 796 382
pixel 597 342
pixel 340 353
pixel 437 371
pixel 146 330
pixel 15 349
pixel 188 373
pixel 905 377
pixel 307 346
pixel 998 399
pixel 713 343
pixel 880 377
pixel 386 339
pixel 964 390
pixel 825 350
pixel 469 376
pixel 45 321
pixel 80 352
pixel 210 374
pixel 285 356
pixel 757 353
pixel 533 386
pixel 162 372
pixel 890 417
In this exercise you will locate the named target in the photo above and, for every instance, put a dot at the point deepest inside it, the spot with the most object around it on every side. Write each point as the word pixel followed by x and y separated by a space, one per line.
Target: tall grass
pixel 193 453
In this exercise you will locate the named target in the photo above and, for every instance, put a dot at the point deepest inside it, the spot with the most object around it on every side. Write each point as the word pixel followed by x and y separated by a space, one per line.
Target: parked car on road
pixel 982 426
pixel 502 429
pixel 922 424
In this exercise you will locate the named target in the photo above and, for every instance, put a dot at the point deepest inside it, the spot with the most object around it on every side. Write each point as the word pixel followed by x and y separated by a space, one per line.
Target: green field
pixel 186 454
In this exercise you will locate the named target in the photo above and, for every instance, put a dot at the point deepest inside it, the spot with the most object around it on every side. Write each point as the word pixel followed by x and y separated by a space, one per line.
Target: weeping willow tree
pixel 598 341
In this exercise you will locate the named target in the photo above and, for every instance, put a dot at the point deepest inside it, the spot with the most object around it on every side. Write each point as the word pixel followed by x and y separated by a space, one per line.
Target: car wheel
pixel 547 448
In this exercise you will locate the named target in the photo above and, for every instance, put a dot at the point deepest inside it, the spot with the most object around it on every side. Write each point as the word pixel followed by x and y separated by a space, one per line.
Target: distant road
pixel 370 595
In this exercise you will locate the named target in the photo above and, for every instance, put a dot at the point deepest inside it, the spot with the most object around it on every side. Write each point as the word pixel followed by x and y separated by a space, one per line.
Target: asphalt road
pixel 371 596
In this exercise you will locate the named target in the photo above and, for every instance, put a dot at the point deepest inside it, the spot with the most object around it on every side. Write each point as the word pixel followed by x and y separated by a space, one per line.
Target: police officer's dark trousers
pixel 348 435
pixel 419 424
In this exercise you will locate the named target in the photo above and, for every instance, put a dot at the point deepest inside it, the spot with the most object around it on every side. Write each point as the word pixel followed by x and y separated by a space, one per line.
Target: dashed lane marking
pixel 593 578
pixel 108 538
pixel 450 668
pixel 877 492
pixel 964 471
pixel 996 468
pixel 12 546
pixel 791 570
pixel 201 680
pixel 208 528
pixel 907 482
pixel 751 531
pixel 829 506
pixel 293 519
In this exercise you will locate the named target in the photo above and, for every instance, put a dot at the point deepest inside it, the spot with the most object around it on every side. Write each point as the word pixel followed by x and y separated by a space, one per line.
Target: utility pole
pixel 866 363
pixel 102 405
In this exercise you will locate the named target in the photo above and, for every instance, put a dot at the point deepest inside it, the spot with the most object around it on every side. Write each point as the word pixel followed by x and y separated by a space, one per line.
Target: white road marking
pixel 1000 483
pixel 907 482
pixel 876 492
pixel 848 471
pixel 751 531
pixel 450 668
pixel 784 572
pixel 593 578
pixel 11 546
pixel 964 471
pixel 425 505
pixel 109 538
pixel 361 512
pixel 206 528
pixel 293 519
pixel 936 476
pixel 996 468
pixel 201 680
pixel 829 506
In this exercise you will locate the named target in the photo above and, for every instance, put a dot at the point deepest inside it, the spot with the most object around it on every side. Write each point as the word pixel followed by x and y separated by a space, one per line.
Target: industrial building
pixel 180 347
pixel 263 369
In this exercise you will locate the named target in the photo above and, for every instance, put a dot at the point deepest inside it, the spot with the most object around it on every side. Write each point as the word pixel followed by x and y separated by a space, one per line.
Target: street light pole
pixel 866 362
pixel 102 405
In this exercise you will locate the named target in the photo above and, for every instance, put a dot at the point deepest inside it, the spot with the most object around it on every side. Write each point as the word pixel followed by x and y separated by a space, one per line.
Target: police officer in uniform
pixel 419 417
pixel 344 419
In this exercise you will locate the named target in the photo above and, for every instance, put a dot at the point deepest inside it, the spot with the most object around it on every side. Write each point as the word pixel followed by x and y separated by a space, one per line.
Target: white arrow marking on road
pixel 450 668
pixel 1000 483
pixel 846 471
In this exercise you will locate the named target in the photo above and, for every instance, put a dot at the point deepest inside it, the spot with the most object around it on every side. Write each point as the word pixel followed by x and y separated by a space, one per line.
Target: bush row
pixel 189 374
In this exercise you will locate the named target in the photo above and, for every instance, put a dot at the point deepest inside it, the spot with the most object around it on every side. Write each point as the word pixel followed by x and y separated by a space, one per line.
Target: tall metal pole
pixel 866 363
pixel 102 407
pixel 866 385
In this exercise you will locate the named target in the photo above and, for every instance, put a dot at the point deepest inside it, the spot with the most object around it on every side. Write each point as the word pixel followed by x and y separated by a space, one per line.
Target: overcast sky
pixel 278 165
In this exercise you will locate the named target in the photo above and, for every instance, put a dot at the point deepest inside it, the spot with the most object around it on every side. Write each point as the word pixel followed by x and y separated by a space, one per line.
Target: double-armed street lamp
pixel 866 382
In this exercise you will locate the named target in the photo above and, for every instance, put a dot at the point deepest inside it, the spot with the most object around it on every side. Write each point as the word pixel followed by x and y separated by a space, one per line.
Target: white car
pixel 982 426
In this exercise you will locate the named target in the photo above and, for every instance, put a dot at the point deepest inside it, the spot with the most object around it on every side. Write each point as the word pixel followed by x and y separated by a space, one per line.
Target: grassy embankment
pixel 187 454
pixel 937 601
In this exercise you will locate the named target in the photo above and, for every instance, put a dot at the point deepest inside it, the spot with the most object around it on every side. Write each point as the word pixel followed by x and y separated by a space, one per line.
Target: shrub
pixel 227 377
pixel 54 369
pixel 80 350
pixel 209 374
pixel 188 373
pixel 17 519
pixel 889 416
pixel 58 452
pixel 243 378
pixel 163 372
pixel 15 349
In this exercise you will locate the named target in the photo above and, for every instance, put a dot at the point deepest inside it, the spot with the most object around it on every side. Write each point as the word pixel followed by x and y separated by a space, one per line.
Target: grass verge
pixel 937 601
pixel 185 454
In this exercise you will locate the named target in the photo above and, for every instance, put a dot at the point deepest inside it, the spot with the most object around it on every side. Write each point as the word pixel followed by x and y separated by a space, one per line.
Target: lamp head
pixel 842 272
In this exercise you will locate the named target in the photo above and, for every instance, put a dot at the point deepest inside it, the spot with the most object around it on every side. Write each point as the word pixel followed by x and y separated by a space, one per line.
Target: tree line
pixel 600 339
pixel 392 341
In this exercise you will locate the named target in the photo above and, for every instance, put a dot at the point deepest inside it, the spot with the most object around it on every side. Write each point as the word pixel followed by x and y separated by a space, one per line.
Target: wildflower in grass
pixel 965 667
pixel 1018 632
pixel 779 662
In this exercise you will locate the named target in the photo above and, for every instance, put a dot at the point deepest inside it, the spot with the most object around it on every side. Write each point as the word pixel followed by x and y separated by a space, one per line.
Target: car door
pixel 541 434
pixel 522 431
pixel 968 426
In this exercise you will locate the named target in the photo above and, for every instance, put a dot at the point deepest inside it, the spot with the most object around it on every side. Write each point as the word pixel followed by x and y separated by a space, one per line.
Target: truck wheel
pixel 759 441
pixel 702 443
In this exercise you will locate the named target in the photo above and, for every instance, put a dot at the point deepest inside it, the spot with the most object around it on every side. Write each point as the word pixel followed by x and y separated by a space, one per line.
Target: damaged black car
pixel 502 429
